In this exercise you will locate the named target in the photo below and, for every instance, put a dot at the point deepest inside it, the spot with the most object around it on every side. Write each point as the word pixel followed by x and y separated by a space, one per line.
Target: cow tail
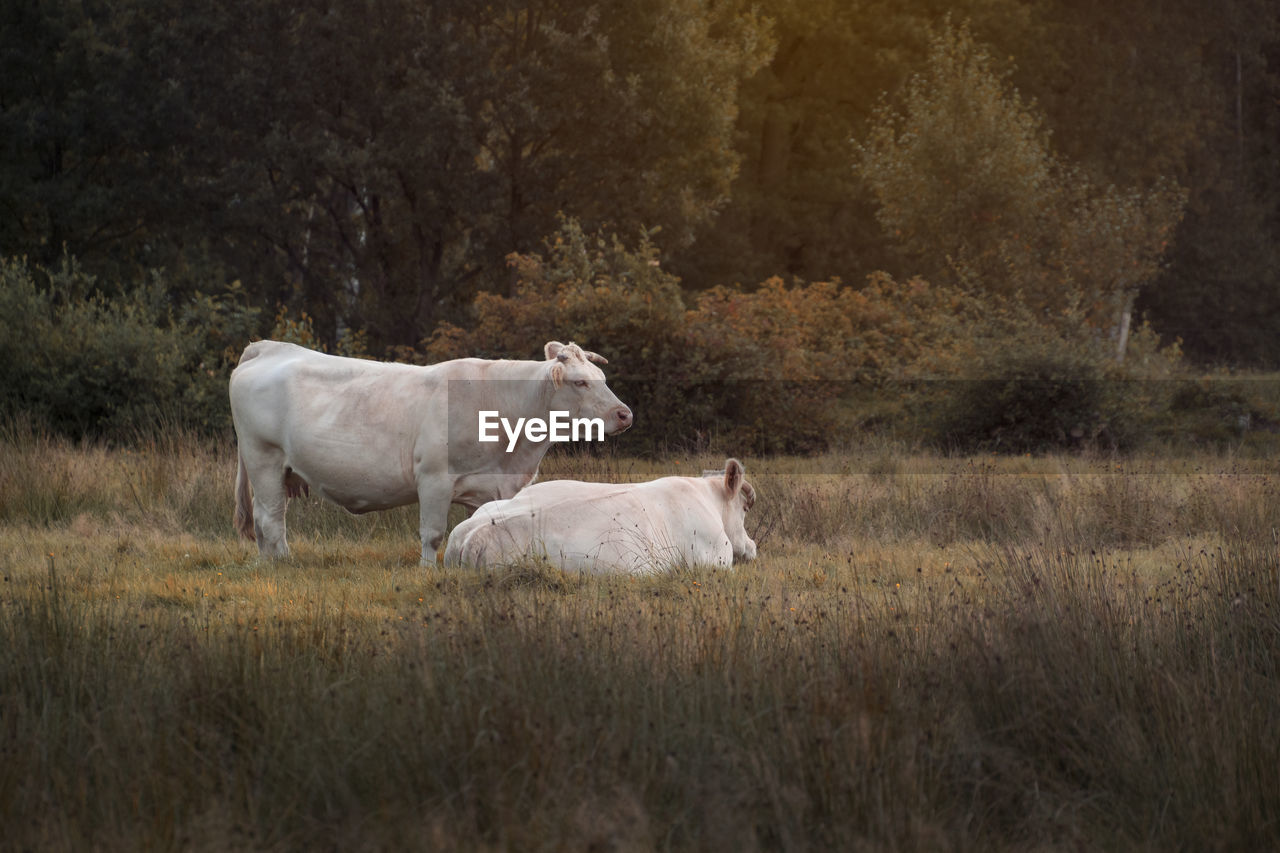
pixel 244 500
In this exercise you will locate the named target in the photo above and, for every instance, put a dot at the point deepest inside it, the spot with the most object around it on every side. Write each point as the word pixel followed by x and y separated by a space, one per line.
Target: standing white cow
pixel 606 527
pixel 371 435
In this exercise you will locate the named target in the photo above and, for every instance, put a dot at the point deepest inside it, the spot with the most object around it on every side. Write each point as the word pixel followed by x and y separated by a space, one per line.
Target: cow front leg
pixel 433 518
pixel 265 469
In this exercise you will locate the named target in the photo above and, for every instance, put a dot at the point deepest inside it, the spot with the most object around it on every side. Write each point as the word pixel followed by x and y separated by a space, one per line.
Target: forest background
pixel 999 224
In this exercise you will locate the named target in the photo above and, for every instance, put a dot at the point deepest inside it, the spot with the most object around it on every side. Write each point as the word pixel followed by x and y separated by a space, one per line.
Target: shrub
pixel 768 363
pixel 761 370
pixel 789 359
pixel 302 331
pixel 1037 396
pixel 214 329
pixel 592 289
pixel 83 364
pixel 1221 409
pixel 588 287
pixel 1027 386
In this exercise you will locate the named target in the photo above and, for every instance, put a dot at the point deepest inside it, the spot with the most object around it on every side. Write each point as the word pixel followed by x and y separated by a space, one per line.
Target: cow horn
pixel 596 357
pixel 562 356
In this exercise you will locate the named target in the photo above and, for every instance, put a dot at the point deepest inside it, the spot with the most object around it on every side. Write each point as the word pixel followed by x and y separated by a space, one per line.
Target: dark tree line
pixel 375 162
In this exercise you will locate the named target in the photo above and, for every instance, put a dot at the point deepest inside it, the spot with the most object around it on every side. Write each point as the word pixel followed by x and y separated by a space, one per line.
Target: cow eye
pixel 581 383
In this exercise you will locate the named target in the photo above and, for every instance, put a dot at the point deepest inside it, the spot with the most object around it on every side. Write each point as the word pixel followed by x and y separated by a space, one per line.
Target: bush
pixel 83 364
pixel 79 362
pixel 1027 386
pixel 789 359
pixel 1035 398
pixel 591 289
pixel 1221 409
pixel 214 329
pixel 767 365
pixel 756 371
pixel 781 368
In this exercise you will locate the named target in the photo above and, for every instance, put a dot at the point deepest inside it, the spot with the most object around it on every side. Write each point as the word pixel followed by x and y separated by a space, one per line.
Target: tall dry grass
pixel 930 653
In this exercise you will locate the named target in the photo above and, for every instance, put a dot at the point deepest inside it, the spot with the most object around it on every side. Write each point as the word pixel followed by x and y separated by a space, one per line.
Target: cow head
pixel 578 386
pixel 738 496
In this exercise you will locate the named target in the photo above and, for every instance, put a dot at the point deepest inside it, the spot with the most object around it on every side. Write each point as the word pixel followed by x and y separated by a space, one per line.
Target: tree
pixel 1179 89
pixel 385 156
pixel 81 128
pixel 795 207
pixel 372 162
pixel 1220 291
pixel 969 190
pixel 333 155
pixel 618 113
pixel 962 177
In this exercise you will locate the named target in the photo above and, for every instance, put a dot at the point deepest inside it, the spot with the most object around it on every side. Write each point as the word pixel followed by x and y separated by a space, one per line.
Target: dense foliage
pixel 82 364
pixel 834 198
pixel 370 163
pixel 760 368
pixel 994 208
pixel 806 365
pixel 374 163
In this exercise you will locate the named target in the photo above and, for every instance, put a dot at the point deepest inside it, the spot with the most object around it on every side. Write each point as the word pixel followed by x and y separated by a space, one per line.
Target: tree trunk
pixel 1126 319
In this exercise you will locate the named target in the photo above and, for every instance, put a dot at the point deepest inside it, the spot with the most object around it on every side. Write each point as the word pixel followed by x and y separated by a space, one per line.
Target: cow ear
pixel 595 356
pixel 732 477
pixel 552 349
pixel 557 374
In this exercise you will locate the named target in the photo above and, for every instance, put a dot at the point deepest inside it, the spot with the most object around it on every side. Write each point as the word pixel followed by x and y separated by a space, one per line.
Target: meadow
pixel 931 652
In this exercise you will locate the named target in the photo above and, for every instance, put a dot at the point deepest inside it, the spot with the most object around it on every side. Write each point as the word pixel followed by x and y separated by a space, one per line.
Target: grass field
pixel 931 653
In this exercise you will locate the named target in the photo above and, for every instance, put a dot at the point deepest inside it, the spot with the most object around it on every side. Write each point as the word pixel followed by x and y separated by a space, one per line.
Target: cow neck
pixel 528 454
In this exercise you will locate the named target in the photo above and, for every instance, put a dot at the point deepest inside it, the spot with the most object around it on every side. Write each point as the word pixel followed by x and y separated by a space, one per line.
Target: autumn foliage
pixel 761 369
pixel 798 366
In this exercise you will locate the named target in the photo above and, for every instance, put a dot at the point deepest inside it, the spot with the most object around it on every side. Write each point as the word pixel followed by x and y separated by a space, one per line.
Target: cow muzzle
pixel 622 419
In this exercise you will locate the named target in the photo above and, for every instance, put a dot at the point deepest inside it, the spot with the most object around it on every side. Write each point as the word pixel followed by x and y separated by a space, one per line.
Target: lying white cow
pixel 370 435
pixel 604 527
